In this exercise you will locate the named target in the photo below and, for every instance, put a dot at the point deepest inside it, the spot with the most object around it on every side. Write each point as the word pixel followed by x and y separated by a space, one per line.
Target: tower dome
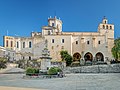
pixel 105 21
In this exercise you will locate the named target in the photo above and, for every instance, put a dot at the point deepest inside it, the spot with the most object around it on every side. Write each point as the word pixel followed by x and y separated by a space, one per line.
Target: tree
pixel 116 49
pixel 66 57
pixel 3 62
pixel 68 60
pixel 63 54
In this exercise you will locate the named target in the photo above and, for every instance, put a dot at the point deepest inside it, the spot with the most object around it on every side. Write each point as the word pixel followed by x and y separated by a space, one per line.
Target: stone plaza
pixel 83 81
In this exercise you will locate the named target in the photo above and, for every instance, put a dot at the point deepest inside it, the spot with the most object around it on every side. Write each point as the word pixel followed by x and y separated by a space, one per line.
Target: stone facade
pixel 26 48
pixel 81 45
pixel 7 53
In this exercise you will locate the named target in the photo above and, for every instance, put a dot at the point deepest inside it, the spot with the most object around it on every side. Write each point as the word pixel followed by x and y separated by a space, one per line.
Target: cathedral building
pixel 81 45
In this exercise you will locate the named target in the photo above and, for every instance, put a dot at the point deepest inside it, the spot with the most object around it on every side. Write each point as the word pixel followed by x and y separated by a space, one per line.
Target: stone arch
pixel 99 56
pixel 103 26
pixel 110 27
pixel 106 26
pixel 105 22
pixel 88 56
pixel 49 32
pixel 76 56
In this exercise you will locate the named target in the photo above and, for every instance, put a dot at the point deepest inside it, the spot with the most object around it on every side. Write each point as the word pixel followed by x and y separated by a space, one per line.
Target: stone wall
pixel 113 68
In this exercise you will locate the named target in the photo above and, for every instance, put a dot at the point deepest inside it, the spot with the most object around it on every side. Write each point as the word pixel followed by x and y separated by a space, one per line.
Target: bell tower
pixel 54 27
pixel 56 23
pixel 105 28
pixel 105 21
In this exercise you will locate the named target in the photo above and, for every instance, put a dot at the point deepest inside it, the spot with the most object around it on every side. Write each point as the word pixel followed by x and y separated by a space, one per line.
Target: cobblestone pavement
pixel 108 81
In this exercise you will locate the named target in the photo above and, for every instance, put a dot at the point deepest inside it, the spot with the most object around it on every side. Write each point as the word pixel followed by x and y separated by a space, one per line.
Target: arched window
pixel 30 44
pixel 110 27
pixel 11 43
pixel 88 42
pixel 76 42
pixel 17 44
pixel 63 40
pixel 23 44
pixel 98 42
pixel 105 22
pixel 29 57
pixel 6 43
pixel 53 24
pixel 52 40
pixel 48 32
pixel 107 27
pixel 103 27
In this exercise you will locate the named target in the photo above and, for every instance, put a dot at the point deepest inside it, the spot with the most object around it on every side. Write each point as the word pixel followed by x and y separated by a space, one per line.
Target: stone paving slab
pixel 17 88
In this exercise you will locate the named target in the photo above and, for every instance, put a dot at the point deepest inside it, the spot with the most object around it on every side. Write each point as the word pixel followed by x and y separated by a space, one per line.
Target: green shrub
pixel 54 70
pixel 58 69
pixel 30 71
pixel 36 71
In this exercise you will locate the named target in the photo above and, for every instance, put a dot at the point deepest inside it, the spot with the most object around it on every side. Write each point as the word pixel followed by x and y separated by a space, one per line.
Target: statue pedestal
pixel 45 63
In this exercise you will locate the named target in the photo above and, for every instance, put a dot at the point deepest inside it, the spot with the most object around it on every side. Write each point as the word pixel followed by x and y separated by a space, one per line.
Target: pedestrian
pixel 58 73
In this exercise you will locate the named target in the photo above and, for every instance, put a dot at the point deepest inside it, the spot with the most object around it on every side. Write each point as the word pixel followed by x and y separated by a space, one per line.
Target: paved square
pixel 108 81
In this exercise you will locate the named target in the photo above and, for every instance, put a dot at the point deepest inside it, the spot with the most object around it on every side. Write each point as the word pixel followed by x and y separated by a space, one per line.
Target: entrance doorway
pixel 88 56
pixel 99 56
pixel 76 57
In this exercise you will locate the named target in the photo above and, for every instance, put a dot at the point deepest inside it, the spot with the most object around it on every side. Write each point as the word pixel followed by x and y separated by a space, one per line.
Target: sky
pixel 21 17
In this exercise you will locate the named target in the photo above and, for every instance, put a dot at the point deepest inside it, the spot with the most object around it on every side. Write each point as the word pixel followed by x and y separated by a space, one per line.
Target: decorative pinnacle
pixel 55 17
pixel 104 17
